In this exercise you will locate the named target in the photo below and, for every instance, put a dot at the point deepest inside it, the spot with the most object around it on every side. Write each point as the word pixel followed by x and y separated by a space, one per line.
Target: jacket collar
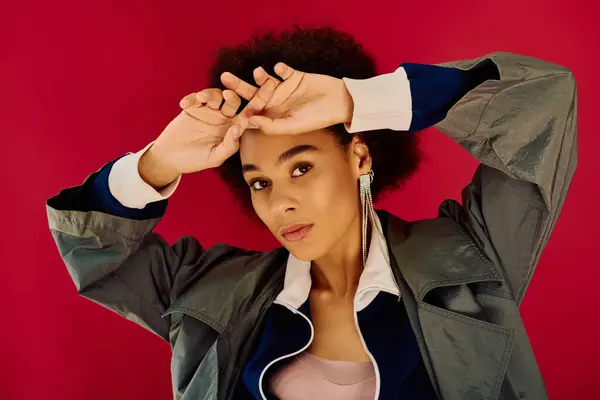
pixel 430 254
pixel 376 277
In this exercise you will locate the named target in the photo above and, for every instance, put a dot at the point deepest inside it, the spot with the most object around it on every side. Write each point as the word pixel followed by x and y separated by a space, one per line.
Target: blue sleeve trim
pixel 101 199
pixel 435 90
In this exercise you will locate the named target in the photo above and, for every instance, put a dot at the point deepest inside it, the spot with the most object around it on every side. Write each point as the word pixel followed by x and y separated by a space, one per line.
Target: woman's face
pixel 305 179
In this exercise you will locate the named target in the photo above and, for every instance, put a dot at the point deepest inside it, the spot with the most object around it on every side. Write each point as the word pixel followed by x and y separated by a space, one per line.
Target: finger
pixel 284 70
pixel 258 102
pixel 231 104
pixel 197 99
pixel 188 101
pixel 207 115
pixel 228 147
pixel 242 88
pixel 212 97
pixel 278 126
pixel 260 76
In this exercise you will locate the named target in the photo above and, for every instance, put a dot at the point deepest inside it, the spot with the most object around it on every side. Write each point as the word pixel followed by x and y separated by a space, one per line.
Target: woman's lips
pixel 298 234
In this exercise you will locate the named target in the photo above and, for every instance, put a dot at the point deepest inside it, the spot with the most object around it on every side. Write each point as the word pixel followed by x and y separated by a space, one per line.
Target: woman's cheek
pixel 261 208
pixel 328 191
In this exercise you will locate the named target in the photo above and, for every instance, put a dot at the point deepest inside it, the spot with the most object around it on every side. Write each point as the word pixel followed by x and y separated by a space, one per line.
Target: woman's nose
pixel 282 201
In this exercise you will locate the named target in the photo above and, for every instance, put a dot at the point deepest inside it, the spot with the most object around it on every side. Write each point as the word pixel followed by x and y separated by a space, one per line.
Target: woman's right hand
pixel 205 133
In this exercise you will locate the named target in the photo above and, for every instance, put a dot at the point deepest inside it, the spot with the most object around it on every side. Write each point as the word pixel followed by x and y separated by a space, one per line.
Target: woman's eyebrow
pixel 283 157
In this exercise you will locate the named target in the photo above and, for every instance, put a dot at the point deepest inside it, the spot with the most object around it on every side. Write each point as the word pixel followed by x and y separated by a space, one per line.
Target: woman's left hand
pixel 302 102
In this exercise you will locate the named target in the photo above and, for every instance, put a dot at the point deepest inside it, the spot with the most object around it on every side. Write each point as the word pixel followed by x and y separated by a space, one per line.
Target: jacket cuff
pixel 127 186
pixel 381 102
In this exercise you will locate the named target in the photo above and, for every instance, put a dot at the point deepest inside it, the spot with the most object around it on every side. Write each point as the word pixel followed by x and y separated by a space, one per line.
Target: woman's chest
pixel 336 335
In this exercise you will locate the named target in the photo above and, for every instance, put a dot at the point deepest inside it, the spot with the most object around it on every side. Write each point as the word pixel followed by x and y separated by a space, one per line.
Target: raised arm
pixel 518 116
pixel 111 252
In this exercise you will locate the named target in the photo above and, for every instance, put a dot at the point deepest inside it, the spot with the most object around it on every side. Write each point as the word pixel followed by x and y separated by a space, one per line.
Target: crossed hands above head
pixel 294 102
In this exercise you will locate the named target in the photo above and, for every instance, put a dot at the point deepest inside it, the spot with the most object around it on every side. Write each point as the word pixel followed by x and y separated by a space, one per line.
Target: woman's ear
pixel 361 155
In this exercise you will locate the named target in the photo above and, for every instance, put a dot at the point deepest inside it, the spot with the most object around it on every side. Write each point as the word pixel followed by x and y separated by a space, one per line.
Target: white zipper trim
pixel 362 339
pixel 312 335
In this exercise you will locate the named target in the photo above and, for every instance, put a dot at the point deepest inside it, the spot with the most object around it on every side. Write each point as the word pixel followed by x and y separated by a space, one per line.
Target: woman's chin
pixel 304 253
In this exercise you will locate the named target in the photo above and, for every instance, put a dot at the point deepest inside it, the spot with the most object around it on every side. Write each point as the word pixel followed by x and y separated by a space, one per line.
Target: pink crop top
pixel 312 377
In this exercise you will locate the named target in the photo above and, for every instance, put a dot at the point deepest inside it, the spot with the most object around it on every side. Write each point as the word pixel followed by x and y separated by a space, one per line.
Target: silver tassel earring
pixel 368 212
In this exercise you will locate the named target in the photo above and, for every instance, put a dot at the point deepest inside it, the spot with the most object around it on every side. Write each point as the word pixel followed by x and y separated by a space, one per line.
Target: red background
pixel 83 83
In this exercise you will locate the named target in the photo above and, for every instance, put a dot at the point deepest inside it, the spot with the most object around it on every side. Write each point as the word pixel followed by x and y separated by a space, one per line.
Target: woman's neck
pixel 338 272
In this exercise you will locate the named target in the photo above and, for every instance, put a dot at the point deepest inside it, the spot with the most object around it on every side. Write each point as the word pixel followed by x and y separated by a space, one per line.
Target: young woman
pixel 358 303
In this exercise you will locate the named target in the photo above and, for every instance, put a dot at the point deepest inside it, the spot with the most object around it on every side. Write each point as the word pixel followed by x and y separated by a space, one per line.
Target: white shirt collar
pixel 376 277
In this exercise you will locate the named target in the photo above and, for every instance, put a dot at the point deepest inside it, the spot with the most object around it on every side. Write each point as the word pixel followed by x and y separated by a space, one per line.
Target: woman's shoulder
pixel 237 279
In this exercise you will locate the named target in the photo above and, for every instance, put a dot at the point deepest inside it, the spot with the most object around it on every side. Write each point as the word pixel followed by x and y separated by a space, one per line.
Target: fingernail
pixel 185 103
pixel 235 131
pixel 252 125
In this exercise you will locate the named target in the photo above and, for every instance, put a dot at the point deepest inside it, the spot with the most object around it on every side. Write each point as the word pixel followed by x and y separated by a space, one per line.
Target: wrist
pixel 155 172
pixel 344 103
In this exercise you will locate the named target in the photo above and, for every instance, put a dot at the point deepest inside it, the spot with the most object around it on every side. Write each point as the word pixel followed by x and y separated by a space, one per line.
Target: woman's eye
pixel 259 184
pixel 302 168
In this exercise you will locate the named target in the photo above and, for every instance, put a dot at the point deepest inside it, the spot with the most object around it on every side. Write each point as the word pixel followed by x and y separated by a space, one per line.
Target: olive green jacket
pixel 463 274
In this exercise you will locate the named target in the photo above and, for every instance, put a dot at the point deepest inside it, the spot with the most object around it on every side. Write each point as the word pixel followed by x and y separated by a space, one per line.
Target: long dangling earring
pixel 368 212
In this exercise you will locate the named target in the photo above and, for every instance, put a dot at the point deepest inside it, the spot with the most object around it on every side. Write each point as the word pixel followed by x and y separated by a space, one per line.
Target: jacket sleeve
pixel 523 129
pixel 114 257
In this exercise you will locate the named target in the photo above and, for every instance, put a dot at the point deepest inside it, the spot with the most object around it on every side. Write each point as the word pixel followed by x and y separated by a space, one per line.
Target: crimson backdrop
pixel 83 83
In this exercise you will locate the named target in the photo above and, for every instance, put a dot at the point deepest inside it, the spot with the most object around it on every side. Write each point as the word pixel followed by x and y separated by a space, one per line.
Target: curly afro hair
pixel 326 51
